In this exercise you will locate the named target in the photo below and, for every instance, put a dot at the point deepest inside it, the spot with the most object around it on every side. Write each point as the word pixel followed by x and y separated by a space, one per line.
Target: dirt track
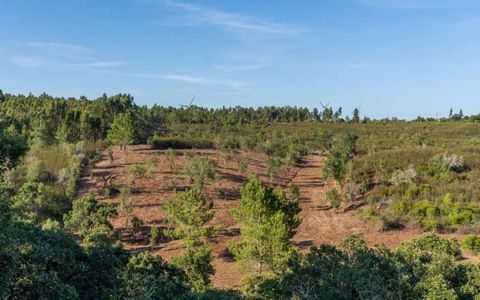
pixel 321 224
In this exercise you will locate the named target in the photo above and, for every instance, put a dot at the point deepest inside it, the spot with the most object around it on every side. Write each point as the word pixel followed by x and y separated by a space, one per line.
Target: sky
pixel 400 58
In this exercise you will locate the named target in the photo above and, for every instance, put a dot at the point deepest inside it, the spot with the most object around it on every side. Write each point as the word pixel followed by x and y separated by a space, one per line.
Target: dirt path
pixel 321 223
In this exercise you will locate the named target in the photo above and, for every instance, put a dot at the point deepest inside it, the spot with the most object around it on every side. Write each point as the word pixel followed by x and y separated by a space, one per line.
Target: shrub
pixel 472 243
pixel 179 143
pixel 453 162
pixel 243 165
pixel 407 176
pixel 334 198
pixel 138 171
pixel 201 170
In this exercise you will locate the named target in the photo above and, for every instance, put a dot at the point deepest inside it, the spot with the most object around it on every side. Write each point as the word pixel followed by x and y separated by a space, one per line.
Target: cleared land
pixel 321 224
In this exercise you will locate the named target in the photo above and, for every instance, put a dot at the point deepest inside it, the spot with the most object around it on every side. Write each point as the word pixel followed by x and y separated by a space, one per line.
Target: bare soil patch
pixel 321 223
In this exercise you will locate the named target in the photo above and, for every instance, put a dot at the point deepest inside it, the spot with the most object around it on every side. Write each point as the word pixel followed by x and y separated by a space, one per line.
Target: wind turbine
pixel 189 105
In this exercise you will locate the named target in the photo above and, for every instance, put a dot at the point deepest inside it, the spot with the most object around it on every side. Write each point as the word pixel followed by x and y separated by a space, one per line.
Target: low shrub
pixel 472 243
pixel 163 143
pixel 334 198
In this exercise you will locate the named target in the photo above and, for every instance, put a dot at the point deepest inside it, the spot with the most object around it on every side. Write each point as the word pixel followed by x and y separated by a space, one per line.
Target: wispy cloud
pixel 41 54
pixel 59 47
pixel 28 61
pixel 239 67
pixel 99 64
pixel 235 84
pixel 189 79
pixel 419 4
pixel 198 14
pixel 369 66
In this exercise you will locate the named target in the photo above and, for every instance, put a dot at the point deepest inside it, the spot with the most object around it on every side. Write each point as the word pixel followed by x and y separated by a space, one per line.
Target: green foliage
pixel 352 271
pixel 88 216
pixel 159 142
pixel 424 268
pixel 190 212
pixel 11 146
pixel 274 165
pixel 434 272
pixel 148 277
pixel 472 243
pixel 334 198
pixel 126 205
pixel 243 165
pixel 171 156
pixel 32 199
pixel 342 151
pixel 62 135
pixel 201 170
pixel 136 224
pixel 139 171
pixel 268 221
pixel 154 236
pixel 121 132
pixel 197 263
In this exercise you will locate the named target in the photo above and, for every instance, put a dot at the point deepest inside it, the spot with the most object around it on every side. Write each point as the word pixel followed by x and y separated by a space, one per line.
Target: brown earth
pixel 321 224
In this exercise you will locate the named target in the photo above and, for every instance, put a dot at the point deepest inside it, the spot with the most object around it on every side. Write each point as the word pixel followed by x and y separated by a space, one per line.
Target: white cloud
pixel 99 64
pixel 418 4
pixel 239 67
pixel 28 61
pixel 61 55
pixel 365 65
pixel 203 15
pixel 59 47
pixel 235 84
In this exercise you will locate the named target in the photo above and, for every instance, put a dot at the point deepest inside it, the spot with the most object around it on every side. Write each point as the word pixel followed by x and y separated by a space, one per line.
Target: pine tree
pixel 189 213
pixel 268 220
pixel 62 133
pixel 121 131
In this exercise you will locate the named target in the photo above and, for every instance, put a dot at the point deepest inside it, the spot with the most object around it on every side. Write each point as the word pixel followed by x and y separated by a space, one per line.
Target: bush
pixel 334 198
pixel 453 162
pixel 406 176
pixel 201 170
pixel 140 171
pixel 163 143
pixel 472 243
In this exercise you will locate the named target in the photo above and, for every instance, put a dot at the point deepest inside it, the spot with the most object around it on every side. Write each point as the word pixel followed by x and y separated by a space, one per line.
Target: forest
pixel 105 199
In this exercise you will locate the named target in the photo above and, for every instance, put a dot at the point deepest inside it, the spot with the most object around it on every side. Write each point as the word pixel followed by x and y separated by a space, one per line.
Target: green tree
pixel 62 135
pixel 89 217
pixel 351 271
pixel 335 164
pixel 136 224
pixel 356 116
pixel 126 205
pixel 201 169
pixel 149 277
pixel 189 213
pixel 12 147
pixel 171 156
pixel 243 166
pixel 32 199
pixel 268 220
pixel 8 253
pixel 122 132
pixel 40 133
pixel 154 236
pixel 274 165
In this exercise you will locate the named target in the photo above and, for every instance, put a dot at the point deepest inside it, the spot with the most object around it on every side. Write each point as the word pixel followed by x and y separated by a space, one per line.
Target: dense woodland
pixel 57 244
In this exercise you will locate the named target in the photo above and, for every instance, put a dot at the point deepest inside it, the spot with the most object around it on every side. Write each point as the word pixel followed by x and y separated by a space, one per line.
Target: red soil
pixel 321 224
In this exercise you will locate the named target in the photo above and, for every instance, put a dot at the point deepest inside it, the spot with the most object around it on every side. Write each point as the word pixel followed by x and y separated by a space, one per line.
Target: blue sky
pixel 393 57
